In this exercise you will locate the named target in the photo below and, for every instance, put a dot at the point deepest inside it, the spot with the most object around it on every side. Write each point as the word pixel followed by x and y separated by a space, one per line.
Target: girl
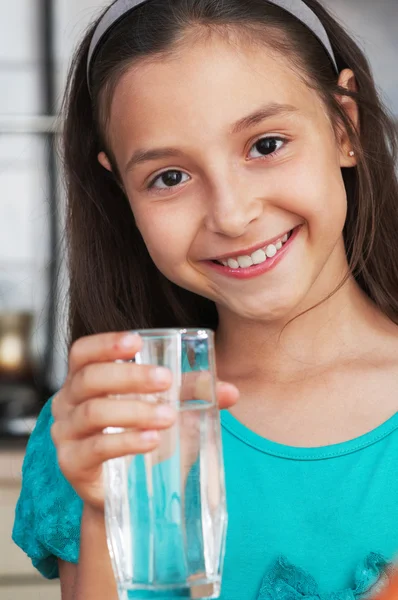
pixel 229 165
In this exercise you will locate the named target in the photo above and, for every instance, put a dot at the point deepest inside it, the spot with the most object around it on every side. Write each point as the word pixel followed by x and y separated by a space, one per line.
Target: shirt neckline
pixel 249 437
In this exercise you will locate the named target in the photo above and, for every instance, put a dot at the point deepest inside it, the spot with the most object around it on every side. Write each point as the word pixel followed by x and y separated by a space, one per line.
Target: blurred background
pixel 37 38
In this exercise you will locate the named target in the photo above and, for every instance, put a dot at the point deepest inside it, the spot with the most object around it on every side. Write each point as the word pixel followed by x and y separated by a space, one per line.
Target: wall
pixel 23 230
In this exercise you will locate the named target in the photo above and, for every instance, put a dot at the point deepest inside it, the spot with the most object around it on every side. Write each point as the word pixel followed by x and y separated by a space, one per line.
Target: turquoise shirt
pixel 304 523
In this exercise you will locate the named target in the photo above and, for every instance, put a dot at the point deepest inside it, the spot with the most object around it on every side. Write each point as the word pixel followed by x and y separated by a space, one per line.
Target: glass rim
pixel 170 332
pixel 201 333
pixel 166 332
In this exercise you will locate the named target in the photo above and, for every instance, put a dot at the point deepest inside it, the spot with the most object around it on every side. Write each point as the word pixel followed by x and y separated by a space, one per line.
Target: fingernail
pixel 164 413
pixel 226 384
pixel 129 340
pixel 149 436
pixel 160 375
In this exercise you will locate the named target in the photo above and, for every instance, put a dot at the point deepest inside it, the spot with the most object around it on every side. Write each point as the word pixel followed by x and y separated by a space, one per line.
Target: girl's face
pixel 223 151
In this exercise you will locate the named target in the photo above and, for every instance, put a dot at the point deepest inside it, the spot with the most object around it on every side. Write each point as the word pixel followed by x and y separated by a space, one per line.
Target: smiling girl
pixel 229 165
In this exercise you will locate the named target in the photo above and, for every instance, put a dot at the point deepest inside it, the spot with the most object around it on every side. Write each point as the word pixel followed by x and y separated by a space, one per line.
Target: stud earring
pixel 351 153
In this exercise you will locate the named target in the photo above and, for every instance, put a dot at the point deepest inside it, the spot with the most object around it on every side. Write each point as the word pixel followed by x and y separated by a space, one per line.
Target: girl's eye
pixel 168 179
pixel 267 146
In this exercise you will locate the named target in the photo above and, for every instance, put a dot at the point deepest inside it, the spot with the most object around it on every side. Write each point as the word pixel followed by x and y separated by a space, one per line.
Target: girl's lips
pixel 255 270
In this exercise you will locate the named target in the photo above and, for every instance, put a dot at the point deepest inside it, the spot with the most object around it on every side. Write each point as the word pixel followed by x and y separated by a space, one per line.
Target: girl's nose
pixel 231 209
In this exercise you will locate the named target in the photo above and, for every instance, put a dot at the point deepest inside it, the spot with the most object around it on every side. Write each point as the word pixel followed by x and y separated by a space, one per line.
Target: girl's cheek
pixel 168 236
pixel 317 192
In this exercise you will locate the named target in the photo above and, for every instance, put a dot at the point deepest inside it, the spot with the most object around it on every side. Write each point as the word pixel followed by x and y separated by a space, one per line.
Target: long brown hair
pixel 114 284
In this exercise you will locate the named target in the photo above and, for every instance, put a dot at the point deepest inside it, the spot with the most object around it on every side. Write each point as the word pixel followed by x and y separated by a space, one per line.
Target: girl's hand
pixel 83 408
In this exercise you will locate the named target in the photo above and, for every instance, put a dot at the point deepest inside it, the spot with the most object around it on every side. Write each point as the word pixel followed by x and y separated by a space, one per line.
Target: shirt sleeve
pixel 48 513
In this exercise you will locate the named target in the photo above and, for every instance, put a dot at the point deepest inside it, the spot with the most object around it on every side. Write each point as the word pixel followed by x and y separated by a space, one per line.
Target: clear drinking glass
pixel 165 512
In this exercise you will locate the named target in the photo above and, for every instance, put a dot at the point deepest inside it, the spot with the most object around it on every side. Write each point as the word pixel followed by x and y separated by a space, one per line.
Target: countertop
pixel 11 460
pixel 18 579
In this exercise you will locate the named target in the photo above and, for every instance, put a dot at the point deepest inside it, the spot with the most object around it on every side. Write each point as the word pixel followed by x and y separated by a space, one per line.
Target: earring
pixel 351 153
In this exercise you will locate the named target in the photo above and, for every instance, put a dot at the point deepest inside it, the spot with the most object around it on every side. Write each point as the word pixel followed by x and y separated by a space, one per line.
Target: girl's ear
pixel 348 82
pixel 104 161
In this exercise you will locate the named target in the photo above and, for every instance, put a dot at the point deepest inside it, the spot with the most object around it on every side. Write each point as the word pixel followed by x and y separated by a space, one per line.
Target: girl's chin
pixel 261 312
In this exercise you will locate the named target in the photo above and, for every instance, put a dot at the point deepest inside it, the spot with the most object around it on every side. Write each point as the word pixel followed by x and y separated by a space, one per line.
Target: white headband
pixel 121 8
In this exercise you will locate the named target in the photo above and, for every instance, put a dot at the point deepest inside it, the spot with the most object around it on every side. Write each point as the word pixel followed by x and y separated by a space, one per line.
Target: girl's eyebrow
pixel 265 112
pixel 140 156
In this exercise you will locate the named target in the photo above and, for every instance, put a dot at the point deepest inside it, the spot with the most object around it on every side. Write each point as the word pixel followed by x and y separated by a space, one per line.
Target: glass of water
pixel 165 511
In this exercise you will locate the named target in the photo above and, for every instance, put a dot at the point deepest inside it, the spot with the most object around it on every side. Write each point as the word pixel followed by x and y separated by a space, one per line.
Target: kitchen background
pixel 36 42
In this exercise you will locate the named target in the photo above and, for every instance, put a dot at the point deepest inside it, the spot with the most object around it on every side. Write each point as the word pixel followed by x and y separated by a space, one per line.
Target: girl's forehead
pixel 211 85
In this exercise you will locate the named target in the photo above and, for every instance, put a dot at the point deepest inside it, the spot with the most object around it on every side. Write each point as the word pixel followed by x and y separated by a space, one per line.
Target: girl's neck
pixel 342 328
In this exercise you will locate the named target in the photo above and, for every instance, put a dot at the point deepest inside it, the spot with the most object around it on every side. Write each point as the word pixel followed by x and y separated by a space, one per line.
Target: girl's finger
pixel 94 415
pixel 104 379
pixel 227 394
pixel 91 452
pixel 198 385
pixel 103 347
pixel 59 406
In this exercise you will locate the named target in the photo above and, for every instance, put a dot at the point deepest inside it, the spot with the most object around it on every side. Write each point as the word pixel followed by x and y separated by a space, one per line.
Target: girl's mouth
pixel 260 261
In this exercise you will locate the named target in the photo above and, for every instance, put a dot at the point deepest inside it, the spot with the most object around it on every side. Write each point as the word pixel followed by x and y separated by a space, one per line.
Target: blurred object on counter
pixel 19 396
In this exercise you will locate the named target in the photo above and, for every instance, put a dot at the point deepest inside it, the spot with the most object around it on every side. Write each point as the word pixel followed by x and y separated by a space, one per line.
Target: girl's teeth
pixel 232 263
pixel 245 262
pixel 258 257
pixel 270 251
